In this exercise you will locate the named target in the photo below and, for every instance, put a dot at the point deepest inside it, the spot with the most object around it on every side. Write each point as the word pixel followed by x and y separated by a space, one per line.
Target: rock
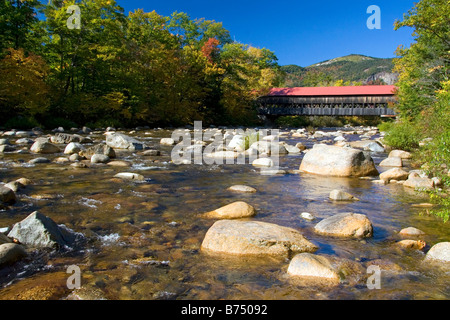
pixel 76 157
pixel 339 195
pixel 336 161
pixel 235 210
pixel 4 142
pixel 151 153
pixel 440 251
pixel 167 141
pixel 237 143
pixel 242 188
pixel 25 182
pixel 255 238
pixel 223 155
pixel 374 147
pixel 119 163
pixel 292 149
pixel 307 216
pixel 300 146
pixel 268 147
pixel 39 160
pixel 4 238
pixel 44 147
pixel 130 176
pixel 411 244
pixel 7 196
pixel 411 231
pixel 352 225
pixel 61 160
pixel 64 138
pixel 74 147
pixel 311 265
pixel 99 158
pixel 6 148
pixel 400 154
pixel 394 174
pixel 392 162
pixel 262 162
pixel 419 183
pixel 122 141
pixel 100 148
pixel 14 185
pixel 24 141
pixel 39 231
pixel 10 253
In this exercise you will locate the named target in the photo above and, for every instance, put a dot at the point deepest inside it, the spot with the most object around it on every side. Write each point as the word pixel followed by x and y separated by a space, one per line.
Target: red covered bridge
pixel 329 101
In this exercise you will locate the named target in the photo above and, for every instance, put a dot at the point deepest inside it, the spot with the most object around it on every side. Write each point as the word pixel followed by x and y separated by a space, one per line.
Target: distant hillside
pixel 351 68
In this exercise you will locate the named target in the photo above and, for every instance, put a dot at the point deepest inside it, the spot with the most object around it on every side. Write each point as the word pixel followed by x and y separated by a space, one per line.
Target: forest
pixel 105 67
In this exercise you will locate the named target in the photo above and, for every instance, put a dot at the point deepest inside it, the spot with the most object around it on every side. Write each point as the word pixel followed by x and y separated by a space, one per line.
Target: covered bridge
pixel 329 101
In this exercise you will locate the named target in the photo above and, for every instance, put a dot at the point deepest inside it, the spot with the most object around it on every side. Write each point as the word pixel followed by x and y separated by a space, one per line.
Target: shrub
pixel 22 123
pixel 402 135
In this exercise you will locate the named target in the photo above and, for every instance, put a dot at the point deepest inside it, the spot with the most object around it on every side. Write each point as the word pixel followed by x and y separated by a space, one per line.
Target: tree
pixel 23 90
pixel 423 67
pixel 18 24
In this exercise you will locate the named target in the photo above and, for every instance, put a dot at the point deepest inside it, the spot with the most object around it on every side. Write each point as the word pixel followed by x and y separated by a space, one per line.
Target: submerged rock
pixel 235 210
pixel 339 195
pixel 255 238
pixel 39 231
pixel 411 244
pixel 242 188
pixel 130 176
pixel 336 161
pixel 348 224
pixel 411 231
pixel 311 265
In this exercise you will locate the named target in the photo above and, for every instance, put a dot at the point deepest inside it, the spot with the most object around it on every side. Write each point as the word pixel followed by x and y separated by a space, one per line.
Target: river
pixel 145 237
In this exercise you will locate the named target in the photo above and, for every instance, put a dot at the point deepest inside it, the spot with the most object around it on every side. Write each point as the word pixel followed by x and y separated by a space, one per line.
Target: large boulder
pixel 314 266
pixel 235 210
pixel 39 231
pixel 440 251
pixel 352 225
pixel 254 238
pixel 44 147
pixel 336 161
pixel 122 141
pixel 339 195
pixel 7 196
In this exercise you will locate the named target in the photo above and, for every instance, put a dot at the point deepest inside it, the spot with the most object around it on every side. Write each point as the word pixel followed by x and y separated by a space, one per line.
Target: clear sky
pixel 301 32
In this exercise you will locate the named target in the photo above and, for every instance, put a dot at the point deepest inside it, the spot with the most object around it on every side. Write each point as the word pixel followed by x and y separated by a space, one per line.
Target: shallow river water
pixel 145 237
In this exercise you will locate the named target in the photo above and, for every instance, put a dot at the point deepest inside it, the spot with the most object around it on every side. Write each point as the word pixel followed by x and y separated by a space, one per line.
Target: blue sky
pixel 298 31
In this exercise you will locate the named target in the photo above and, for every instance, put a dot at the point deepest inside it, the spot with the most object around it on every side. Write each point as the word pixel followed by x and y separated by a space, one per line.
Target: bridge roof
pixel 334 91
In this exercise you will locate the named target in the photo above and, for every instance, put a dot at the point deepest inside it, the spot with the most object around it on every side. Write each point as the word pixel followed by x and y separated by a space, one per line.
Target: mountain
pixel 351 68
